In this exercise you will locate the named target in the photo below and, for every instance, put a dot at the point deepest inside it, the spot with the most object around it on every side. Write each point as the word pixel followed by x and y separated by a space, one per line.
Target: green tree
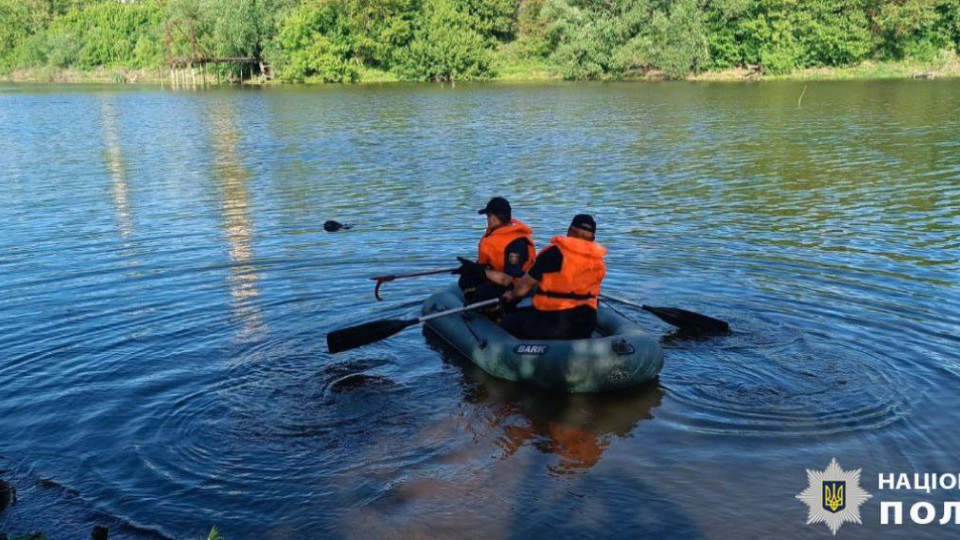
pixel 314 42
pixel 724 19
pixel 678 39
pixel 832 32
pixel 98 34
pixel 916 28
pixel 447 46
pixel 495 18
pixel 19 20
pixel 227 28
pixel 598 40
pixel 380 29
pixel 532 28
pixel 335 40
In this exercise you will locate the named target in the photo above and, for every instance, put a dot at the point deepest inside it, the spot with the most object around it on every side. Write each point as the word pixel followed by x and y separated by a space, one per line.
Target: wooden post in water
pixel 203 73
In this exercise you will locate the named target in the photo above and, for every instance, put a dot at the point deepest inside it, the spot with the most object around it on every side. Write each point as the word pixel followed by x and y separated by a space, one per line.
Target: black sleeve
pixel 515 257
pixel 550 260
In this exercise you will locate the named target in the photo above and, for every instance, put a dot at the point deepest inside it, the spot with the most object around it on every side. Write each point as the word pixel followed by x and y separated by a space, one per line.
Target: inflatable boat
pixel 620 354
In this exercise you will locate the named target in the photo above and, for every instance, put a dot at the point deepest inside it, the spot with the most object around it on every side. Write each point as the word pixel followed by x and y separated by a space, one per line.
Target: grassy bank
pixel 99 75
pixel 945 67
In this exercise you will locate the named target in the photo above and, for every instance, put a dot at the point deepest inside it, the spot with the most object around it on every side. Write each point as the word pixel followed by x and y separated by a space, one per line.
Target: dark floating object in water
pixel 334 226
pixel 355 381
pixel 8 495
pixel 53 484
pixel 99 533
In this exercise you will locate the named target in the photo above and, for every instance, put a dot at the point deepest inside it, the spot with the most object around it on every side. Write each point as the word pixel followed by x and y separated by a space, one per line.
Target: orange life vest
pixel 492 249
pixel 578 281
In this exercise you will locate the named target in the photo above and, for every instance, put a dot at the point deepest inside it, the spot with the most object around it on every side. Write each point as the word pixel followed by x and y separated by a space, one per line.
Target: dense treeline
pixel 343 40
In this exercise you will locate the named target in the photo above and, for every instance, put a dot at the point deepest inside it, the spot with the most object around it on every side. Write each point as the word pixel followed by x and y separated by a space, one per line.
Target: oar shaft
pixel 386 279
pixel 468 307
pixel 415 274
pixel 621 300
pixel 681 318
pixel 429 272
pixel 371 332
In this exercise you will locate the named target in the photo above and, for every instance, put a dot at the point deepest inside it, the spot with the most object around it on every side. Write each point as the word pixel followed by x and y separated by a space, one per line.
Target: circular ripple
pixel 757 386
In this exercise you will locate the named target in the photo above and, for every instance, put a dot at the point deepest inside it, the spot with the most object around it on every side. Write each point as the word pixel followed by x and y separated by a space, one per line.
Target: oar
pixel 681 318
pixel 367 333
pixel 383 279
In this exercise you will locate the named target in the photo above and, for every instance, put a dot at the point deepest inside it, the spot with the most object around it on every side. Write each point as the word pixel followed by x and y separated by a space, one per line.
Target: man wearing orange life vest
pixel 504 253
pixel 567 274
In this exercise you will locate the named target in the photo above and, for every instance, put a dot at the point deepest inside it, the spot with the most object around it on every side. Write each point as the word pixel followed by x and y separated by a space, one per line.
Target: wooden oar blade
pixel 365 334
pixel 689 320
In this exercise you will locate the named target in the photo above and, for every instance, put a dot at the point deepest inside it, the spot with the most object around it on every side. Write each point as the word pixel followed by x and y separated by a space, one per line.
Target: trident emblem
pixel 833 496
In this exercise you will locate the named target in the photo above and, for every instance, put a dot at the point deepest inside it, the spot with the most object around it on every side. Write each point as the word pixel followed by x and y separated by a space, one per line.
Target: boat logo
pixel 531 349
pixel 834 496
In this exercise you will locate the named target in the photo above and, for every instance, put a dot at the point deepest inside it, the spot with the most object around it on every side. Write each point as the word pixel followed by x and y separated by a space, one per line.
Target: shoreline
pixel 945 68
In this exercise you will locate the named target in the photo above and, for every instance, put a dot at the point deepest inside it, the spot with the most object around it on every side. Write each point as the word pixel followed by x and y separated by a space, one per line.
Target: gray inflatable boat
pixel 621 354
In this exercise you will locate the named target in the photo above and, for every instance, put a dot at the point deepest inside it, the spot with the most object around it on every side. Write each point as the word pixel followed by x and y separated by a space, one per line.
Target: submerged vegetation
pixel 442 40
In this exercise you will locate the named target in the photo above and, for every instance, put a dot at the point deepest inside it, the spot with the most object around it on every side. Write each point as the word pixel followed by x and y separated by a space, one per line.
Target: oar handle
pixel 384 279
pixel 468 307
pixel 392 277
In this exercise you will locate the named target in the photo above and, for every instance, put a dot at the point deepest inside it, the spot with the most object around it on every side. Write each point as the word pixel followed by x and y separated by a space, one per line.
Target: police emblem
pixel 833 499
pixel 834 496
pixel 513 258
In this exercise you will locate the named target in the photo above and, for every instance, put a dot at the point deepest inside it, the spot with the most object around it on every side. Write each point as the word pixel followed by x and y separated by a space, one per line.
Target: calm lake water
pixel 167 287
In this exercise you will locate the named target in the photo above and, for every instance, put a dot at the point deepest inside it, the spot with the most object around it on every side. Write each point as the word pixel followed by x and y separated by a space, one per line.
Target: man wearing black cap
pixel 505 252
pixel 567 275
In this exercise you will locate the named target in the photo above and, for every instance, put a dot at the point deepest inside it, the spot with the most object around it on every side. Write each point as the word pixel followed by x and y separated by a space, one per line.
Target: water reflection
pixel 238 226
pixel 119 187
pixel 575 428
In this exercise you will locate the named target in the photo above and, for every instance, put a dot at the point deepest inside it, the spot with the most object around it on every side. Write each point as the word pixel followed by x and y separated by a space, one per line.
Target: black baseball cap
pixel 585 222
pixel 497 206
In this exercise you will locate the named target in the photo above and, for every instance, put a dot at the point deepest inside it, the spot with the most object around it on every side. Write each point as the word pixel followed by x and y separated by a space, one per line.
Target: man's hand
pixel 499 278
pixel 525 285
pixel 509 297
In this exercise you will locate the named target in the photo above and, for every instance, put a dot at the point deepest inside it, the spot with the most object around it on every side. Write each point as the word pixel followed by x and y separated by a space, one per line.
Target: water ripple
pixel 167 285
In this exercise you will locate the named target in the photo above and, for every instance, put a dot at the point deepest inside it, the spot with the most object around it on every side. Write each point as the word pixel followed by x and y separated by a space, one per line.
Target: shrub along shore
pixel 949 68
pixel 345 41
